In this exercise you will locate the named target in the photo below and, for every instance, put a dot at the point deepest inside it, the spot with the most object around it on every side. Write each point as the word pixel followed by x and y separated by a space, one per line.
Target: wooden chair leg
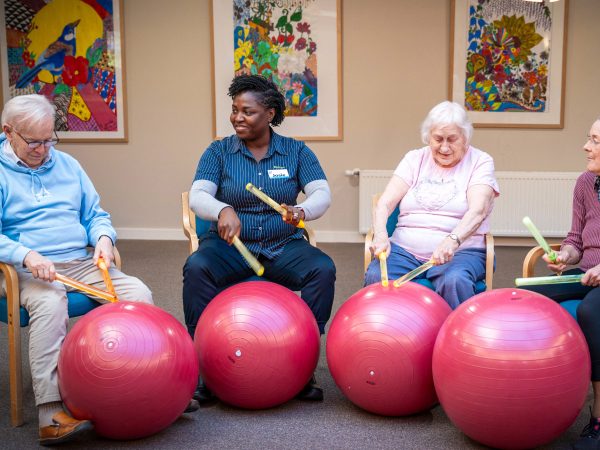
pixel 15 367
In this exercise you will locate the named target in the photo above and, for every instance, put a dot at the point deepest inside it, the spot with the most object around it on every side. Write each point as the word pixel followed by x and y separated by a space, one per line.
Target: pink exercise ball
pixel 258 345
pixel 128 367
pixel 511 368
pixel 379 348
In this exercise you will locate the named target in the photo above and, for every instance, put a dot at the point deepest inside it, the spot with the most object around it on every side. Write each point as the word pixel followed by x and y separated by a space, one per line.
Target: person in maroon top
pixel 582 248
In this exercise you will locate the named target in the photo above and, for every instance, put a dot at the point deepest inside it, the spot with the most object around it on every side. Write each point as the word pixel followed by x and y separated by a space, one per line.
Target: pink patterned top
pixel 585 227
pixel 436 200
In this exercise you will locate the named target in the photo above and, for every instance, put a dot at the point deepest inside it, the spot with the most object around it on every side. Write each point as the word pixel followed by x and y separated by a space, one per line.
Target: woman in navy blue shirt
pixel 281 167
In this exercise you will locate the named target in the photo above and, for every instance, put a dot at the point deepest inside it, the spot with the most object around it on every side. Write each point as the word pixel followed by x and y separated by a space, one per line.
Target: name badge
pixel 278 173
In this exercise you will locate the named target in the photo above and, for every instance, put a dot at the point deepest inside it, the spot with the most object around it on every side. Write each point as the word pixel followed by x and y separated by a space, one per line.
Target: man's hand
pixel 104 248
pixel 40 266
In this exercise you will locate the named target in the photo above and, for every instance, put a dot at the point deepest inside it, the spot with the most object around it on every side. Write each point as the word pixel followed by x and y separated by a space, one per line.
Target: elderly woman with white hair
pixel 446 192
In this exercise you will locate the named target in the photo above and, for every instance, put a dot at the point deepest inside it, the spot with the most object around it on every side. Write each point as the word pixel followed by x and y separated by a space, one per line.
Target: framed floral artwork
pixel 71 52
pixel 508 61
pixel 295 43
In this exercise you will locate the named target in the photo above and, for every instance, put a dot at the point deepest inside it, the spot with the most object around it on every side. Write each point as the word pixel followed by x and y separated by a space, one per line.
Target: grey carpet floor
pixel 334 424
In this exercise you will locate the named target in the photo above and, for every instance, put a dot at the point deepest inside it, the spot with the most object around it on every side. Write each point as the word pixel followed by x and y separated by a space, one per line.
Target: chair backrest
pixel 194 226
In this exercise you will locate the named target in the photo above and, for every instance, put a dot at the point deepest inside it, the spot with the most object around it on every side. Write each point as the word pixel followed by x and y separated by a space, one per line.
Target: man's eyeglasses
pixel 35 144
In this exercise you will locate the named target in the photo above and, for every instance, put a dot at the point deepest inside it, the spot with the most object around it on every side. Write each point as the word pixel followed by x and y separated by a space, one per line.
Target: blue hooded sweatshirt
pixel 53 209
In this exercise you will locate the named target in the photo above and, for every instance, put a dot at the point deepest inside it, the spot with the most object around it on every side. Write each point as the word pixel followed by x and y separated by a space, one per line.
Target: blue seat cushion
pixel 571 306
pixel 79 304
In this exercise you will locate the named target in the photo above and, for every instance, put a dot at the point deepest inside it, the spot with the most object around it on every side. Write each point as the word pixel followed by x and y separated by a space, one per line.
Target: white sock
pixel 46 411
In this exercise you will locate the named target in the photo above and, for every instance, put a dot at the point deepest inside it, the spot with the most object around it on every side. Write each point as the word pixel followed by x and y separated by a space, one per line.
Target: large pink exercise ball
pixel 130 368
pixel 511 368
pixel 380 344
pixel 258 345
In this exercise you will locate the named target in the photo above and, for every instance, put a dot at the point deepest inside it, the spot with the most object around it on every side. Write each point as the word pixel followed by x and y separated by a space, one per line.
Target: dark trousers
pixel 588 312
pixel 216 265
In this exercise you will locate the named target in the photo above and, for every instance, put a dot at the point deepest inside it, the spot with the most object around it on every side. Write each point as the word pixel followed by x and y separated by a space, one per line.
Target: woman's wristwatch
pixel 455 237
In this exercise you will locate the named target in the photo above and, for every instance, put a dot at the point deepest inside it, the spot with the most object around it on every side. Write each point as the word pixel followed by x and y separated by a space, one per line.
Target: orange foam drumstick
pixel 86 288
pixel 107 281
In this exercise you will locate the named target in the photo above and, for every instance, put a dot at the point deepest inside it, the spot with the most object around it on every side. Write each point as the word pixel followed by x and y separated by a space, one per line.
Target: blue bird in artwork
pixel 53 58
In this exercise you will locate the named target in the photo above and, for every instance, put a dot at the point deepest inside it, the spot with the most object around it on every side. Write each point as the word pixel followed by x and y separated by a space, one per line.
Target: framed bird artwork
pixel 508 61
pixel 70 52
pixel 295 43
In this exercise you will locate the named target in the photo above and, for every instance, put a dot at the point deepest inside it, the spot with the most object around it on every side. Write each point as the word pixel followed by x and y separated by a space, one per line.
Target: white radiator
pixel 546 197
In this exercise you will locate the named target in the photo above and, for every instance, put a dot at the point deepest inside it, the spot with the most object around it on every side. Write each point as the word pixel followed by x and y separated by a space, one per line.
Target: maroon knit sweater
pixel 585 228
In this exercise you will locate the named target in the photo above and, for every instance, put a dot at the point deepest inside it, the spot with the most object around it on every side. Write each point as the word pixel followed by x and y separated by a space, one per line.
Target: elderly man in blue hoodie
pixel 49 215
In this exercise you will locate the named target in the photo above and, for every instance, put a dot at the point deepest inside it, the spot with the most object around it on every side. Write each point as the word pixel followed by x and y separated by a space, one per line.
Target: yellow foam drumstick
pixel 534 281
pixel 86 288
pixel 249 257
pixel 383 267
pixel 107 281
pixel 413 273
pixel 269 201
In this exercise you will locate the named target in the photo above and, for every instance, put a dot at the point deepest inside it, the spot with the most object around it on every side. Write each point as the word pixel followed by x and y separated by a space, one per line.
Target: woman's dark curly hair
pixel 266 91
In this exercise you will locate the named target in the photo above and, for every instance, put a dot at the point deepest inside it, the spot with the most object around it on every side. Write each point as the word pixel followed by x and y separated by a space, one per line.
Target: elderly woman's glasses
pixel 35 144
pixel 593 139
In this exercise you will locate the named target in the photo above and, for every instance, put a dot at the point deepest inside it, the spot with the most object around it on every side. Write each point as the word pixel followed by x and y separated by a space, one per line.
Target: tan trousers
pixel 47 307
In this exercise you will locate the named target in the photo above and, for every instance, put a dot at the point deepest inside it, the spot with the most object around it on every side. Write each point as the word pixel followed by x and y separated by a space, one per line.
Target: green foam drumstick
pixel 539 238
pixel 535 281
pixel 413 273
pixel 249 257
pixel 383 267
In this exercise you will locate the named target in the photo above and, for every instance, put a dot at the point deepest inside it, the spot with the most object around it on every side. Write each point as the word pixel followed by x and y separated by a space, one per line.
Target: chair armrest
pixel 489 261
pixel 368 255
pixel 532 257
pixel 188 222
pixel 12 289
pixel 117 258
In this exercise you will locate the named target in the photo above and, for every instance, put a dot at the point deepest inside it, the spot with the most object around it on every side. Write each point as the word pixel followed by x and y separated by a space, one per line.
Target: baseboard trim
pixel 151 234
pixel 176 234
pixel 324 236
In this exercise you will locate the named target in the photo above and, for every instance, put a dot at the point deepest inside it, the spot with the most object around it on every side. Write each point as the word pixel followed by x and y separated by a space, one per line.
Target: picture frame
pixel 297 44
pixel 508 62
pixel 70 51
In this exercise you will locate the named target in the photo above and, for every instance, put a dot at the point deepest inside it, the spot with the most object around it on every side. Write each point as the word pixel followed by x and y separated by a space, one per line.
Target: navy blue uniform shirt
pixel 288 166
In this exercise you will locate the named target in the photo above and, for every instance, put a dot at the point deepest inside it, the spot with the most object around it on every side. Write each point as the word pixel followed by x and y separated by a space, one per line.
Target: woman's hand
pixel 560 264
pixel 229 224
pixel 592 277
pixel 380 244
pixel 444 252
pixel 292 215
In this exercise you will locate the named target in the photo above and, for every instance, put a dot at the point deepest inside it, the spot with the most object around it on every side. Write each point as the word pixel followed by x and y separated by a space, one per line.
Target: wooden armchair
pixel 13 314
pixel 529 263
pixel 481 286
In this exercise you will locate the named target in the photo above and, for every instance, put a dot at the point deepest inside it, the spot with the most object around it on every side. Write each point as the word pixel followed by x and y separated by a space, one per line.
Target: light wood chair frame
pixel 532 258
pixel 489 250
pixel 189 225
pixel 15 367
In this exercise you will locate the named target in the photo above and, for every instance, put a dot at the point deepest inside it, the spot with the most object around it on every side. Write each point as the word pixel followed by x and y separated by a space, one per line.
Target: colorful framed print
pixel 508 61
pixel 297 44
pixel 71 52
